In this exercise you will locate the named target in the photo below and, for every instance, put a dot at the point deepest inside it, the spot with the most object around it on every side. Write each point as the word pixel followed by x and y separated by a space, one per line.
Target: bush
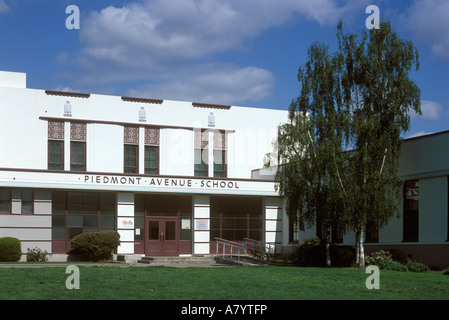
pixel 417 267
pixel 384 260
pixel 36 254
pixel 446 272
pixel 95 246
pixel 10 249
pixel 312 253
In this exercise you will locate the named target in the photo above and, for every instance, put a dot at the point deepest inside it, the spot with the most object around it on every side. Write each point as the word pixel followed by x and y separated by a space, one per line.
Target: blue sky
pixel 235 52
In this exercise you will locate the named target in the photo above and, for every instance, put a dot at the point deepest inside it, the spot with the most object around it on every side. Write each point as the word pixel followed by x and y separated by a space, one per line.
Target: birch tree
pixel 379 95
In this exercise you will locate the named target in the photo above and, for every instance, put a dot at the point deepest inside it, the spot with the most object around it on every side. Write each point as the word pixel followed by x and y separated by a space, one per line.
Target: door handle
pixel 161 238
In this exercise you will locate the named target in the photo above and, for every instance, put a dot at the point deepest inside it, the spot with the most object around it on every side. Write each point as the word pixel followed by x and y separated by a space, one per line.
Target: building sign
pixel 161 182
pixel 125 223
pixel 202 224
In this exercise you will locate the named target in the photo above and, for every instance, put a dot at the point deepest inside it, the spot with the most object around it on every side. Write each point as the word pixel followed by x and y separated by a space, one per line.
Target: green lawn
pixel 229 283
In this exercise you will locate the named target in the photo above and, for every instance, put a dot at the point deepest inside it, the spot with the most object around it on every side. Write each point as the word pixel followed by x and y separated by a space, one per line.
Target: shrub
pixel 95 246
pixel 446 272
pixel 384 260
pixel 417 267
pixel 312 253
pixel 10 249
pixel 36 254
pixel 342 256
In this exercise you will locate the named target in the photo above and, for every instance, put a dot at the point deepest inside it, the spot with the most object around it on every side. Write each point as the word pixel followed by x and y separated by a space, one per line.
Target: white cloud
pixel 429 20
pixel 170 44
pixel 220 84
pixel 4 8
pixel 431 111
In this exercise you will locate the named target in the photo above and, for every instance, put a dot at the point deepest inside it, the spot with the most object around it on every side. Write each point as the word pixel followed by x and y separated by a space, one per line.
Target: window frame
pixel 50 164
pixel 201 167
pixel 128 168
pixel 81 165
pixel 31 202
pixel 410 221
pixel 9 201
pixel 223 169
pixel 148 169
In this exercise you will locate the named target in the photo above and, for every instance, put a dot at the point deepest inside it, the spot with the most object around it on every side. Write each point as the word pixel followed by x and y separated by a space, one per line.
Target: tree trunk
pixel 328 247
pixel 360 251
pixel 362 248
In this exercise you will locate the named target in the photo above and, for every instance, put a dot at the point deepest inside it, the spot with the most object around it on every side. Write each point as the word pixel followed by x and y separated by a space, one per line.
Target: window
pixel 219 163
pixel 55 155
pixel 201 167
pixel 131 149
pixel 80 212
pixel 131 159
pixel 5 201
pixel 220 154
pixel 77 156
pixel 27 201
pixel 411 211
pixel 372 233
pixel 151 160
pixel 235 218
pixel 293 229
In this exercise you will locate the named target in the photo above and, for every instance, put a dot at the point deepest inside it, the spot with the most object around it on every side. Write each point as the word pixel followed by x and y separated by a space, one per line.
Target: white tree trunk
pixel 361 258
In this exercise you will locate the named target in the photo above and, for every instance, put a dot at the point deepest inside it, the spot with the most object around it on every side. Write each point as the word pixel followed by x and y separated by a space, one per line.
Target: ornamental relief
pixel 78 131
pixel 131 135
pixel 152 136
pixel 56 130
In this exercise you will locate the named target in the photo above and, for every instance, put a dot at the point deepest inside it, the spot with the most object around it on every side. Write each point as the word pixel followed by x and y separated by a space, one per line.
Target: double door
pixel 162 236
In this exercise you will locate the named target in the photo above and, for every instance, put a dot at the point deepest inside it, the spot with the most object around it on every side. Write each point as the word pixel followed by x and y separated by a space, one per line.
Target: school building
pixel 173 176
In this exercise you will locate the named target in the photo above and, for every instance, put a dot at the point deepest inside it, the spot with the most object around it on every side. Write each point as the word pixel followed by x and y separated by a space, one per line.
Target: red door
pixel 162 236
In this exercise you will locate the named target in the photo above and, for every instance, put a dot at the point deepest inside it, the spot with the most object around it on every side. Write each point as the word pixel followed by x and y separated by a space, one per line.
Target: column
pixel 273 222
pixel 125 222
pixel 201 224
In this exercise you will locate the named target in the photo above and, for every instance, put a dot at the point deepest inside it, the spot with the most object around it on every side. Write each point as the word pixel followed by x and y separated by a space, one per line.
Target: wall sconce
pixel 211 120
pixel 67 109
pixel 142 114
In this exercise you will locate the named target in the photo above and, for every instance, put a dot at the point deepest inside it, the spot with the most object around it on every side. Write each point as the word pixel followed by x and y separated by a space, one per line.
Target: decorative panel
pixel 220 140
pixel 56 130
pixel 201 139
pixel 152 136
pixel 132 135
pixel 78 131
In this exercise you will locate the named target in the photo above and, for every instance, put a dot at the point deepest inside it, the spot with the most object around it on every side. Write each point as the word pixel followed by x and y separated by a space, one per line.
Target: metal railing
pixel 255 249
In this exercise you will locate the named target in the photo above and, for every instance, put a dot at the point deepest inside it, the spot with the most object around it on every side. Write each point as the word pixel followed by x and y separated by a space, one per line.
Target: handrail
pixel 256 249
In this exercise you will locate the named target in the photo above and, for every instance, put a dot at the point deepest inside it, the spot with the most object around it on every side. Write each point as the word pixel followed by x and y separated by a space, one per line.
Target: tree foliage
pixel 339 151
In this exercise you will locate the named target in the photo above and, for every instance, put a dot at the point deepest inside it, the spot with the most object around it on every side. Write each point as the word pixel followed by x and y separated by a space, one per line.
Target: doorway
pixel 162 236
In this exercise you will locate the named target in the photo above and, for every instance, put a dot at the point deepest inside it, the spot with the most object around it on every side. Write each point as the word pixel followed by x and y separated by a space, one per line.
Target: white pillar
pixel 125 222
pixel 273 222
pixel 201 224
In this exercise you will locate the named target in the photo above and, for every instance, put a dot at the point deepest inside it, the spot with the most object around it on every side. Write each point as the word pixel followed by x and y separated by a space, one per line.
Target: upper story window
pixel 78 133
pixel 55 145
pixel 131 149
pixel 220 168
pixel 201 143
pixel 152 137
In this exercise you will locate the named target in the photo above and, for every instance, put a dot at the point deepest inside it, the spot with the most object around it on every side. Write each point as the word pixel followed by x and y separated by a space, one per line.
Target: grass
pixel 234 283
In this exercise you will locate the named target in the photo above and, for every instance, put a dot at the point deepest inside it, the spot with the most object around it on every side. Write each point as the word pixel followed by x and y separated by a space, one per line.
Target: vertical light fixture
pixel 211 120
pixel 67 109
pixel 142 114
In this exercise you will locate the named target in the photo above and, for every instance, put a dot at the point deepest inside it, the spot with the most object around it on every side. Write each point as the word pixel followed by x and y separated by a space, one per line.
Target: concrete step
pixel 177 260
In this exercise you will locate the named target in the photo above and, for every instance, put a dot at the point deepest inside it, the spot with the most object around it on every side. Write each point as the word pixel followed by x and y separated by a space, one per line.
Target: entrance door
pixel 162 236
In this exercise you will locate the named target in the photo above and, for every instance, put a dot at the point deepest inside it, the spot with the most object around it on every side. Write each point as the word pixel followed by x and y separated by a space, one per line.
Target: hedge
pixel 95 246
pixel 10 249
